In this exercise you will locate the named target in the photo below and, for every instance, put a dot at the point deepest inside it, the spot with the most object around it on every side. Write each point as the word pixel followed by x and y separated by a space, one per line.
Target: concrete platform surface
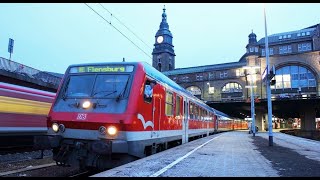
pixel 229 154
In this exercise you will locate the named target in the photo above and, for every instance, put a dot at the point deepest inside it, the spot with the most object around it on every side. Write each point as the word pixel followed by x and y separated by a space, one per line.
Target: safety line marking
pixel 180 159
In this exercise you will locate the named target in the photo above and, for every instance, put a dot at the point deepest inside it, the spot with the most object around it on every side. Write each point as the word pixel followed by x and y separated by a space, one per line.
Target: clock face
pixel 160 39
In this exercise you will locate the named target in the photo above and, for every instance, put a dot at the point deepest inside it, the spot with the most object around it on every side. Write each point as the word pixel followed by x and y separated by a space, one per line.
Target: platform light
pixel 268 82
pixel 252 72
pixel 10 47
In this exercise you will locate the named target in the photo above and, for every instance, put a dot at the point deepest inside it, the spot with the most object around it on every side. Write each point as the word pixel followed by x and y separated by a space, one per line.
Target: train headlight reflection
pixel 86 104
pixel 55 127
pixel 112 130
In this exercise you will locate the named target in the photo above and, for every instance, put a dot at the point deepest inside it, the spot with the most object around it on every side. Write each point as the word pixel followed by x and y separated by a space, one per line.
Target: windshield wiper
pixel 105 91
pixel 123 91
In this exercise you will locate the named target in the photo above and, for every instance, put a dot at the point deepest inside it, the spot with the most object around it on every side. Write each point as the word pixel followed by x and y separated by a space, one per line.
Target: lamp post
pixel 253 119
pixel 268 81
pixel 210 90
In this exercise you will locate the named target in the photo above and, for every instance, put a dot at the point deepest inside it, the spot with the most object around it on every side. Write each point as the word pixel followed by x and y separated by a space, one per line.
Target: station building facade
pixel 295 56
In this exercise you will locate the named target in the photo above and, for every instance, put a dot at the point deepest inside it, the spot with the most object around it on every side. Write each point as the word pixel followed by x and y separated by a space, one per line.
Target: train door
pixel 207 120
pixel 156 111
pixel 151 106
pixel 185 122
pixel 215 122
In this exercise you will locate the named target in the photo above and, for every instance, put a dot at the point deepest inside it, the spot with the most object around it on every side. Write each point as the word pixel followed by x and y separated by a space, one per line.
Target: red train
pixel 23 114
pixel 102 116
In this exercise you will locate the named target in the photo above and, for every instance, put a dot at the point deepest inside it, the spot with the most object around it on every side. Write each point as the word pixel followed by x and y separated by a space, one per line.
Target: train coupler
pixel 61 157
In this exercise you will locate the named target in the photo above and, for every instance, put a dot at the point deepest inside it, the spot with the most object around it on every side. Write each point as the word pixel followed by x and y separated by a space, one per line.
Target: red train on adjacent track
pixel 102 116
pixel 23 114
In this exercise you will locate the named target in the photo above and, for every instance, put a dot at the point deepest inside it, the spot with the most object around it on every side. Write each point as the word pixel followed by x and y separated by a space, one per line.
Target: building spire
pixel 164 15
pixel 252 37
pixel 163 53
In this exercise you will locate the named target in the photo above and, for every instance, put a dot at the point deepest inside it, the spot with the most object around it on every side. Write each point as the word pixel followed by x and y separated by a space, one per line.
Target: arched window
pixel 195 90
pixel 170 67
pixel 293 76
pixel 159 67
pixel 231 87
pixel 232 90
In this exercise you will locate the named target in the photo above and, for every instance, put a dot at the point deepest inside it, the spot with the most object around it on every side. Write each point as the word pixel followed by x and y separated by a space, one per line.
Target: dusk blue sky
pixel 51 36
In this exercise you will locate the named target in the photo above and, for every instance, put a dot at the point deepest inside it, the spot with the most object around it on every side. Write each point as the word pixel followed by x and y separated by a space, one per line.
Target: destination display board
pixel 102 69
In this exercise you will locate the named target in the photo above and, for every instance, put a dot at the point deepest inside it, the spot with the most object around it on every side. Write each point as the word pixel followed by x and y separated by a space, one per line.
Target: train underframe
pixel 106 154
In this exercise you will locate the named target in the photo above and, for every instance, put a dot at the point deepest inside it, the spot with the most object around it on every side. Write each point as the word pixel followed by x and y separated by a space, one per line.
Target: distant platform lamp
pixel 10 47
pixel 210 89
pixel 252 72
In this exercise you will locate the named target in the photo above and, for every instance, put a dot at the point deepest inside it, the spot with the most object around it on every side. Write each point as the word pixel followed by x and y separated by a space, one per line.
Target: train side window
pixel 169 103
pixel 191 110
pixel 196 112
pixel 148 90
pixel 202 114
pixel 178 106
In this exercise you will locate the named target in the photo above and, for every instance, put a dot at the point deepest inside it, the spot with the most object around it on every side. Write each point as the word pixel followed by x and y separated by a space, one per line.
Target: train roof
pixel 221 113
pixel 151 71
pixel 154 73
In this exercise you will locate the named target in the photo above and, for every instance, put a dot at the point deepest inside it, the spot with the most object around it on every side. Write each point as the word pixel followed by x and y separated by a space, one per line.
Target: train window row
pixel 196 112
pixel 173 105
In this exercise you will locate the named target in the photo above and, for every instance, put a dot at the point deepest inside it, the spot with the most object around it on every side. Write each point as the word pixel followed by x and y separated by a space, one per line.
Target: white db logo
pixel 81 116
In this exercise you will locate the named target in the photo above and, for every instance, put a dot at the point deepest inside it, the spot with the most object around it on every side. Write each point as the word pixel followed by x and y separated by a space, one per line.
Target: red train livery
pixel 102 115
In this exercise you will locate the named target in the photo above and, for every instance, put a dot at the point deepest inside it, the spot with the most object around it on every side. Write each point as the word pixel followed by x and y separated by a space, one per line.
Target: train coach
pixel 226 122
pixel 110 113
pixel 23 114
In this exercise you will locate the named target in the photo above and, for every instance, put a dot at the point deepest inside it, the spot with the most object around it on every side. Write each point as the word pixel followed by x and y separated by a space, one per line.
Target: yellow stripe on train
pixel 16 105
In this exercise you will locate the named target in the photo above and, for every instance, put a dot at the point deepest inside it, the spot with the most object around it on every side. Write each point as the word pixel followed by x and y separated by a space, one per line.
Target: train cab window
pixel 77 86
pixel 110 86
pixel 148 90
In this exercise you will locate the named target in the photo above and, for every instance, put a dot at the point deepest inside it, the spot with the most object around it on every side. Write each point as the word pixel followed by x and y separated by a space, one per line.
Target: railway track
pixel 15 149
pixel 29 168
pixel 47 170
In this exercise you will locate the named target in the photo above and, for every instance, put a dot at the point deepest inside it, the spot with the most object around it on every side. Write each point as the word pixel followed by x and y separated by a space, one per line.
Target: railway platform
pixel 229 154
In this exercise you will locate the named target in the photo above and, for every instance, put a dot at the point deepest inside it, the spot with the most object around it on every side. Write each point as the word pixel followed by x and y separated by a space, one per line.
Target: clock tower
pixel 163 53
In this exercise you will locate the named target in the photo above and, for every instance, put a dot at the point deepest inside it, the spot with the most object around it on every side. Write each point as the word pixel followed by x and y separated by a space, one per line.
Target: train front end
pixel 86 123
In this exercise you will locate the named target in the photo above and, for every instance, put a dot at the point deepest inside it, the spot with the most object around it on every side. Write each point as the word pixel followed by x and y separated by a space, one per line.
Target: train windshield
pixel 96 86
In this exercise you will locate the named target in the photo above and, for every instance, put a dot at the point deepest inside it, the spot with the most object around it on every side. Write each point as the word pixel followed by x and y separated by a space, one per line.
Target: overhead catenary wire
pixel 118 30
pixel 112 15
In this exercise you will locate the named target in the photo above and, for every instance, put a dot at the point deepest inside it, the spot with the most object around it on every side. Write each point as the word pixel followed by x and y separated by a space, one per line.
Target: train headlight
pixel 86 104
pixel 112 130
pixel 55 127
